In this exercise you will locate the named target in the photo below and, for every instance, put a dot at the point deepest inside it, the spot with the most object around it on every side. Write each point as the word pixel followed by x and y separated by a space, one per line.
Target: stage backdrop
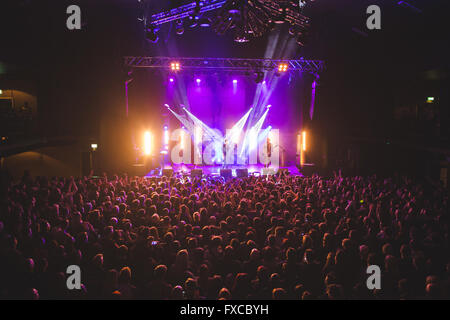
pixel 220 100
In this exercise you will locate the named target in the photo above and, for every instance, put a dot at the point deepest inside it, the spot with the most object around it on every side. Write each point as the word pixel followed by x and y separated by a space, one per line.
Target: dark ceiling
pixel 369 72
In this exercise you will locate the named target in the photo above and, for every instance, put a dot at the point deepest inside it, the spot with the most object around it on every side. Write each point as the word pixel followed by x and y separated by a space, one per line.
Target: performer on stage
pixel 269 151
pixel 224 151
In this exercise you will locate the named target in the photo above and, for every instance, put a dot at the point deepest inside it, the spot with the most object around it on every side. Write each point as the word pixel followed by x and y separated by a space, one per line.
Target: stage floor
pixel 215 170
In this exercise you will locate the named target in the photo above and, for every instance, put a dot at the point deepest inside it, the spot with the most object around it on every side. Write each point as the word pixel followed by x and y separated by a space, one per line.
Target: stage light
pixel 235 81
pixel 204 23
pixel 151 35
pixel 430 99
pixel 269 106
pixel 179 29
pixel 175 66
pixel 241 39
pixel 283 67
pixel 281 18
pixel 166 137
pixel 292 31
pixel 198 81
pixel 304 140
pixel 147 143
pixel 129 77
pixel 94 146
pixel 234 8
pixel 171 80
pixel 259 77
pixel 193 21
pixel 301 39
pixel 1 91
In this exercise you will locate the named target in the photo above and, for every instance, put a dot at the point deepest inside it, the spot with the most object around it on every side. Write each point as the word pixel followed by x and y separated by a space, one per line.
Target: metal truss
pixel 235 65
pixel 185 11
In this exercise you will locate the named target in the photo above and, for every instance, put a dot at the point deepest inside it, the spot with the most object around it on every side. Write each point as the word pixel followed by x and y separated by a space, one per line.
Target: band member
pixel 224 152
pixel 269 151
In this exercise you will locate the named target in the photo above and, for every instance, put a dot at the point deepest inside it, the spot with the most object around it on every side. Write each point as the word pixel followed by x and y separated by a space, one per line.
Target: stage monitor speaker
pixel 241 173
pixel 226 173
pixel 268 171
pixel 167 172
pixel 197 173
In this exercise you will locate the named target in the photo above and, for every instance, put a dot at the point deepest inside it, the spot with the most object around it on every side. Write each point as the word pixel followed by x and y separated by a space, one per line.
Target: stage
pixel 253 170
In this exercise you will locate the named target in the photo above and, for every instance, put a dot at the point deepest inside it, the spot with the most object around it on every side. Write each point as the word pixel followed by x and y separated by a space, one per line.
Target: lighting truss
pixel 184 12
pixel 232 65
pixel 249 18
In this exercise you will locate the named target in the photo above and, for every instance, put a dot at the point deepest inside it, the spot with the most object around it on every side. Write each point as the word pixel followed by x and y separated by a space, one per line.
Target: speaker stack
pixel 226 173
pixel 242 173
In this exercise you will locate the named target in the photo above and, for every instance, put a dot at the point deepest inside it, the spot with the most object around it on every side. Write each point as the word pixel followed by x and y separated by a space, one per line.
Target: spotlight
pixel 166 137
pixel 204 23
pixel 151 35
pixel 301 39
pixel 234 8
pixel 175 66
pixel 235 81
pixel 198 81
pixel 283 67
pixel 147 143
pixel 259 77
pixel 129 77
pixel 193 22
pixel 282 17
pixel 241 39
pixel 304 140
pixel 179 29
pixel 292 31
pixel 94 146
pixel 171 80
pixel 269 106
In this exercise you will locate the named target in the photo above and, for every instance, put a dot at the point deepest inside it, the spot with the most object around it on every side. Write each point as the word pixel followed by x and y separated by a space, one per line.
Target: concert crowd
pixel 278 237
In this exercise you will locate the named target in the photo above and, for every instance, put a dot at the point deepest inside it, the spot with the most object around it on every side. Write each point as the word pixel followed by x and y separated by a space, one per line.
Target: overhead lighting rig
pixel 247 18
